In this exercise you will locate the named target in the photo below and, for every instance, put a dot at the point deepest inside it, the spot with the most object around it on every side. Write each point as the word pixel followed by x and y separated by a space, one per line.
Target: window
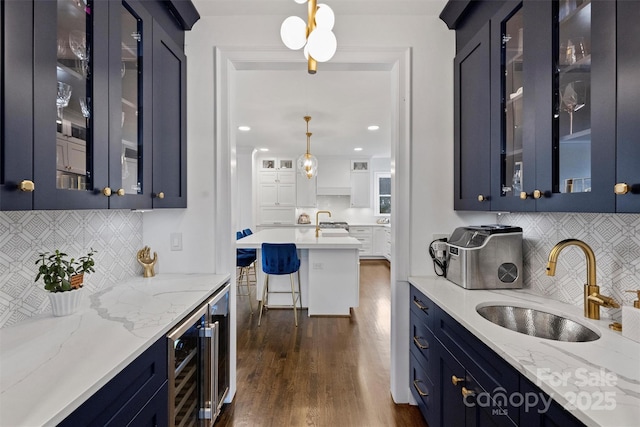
pixel 383 193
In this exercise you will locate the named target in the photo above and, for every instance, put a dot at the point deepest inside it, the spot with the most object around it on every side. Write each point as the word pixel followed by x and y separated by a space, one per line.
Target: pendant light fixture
pixel 307 163
pixel 316 36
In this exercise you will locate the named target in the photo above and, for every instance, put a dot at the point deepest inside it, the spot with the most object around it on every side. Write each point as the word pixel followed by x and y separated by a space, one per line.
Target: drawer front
pixel 423 391
pixel 422 340
pixel 422 306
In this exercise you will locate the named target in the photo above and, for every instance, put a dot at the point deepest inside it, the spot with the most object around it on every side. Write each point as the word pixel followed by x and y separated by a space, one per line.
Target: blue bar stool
pixel 245 259
pixel 280 259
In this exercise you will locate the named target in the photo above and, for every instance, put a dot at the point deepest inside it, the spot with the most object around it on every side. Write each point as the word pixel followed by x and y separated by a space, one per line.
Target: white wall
pixel 431 188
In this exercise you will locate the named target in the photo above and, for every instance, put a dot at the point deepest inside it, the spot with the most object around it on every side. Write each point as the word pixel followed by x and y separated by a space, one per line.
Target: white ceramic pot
pixel 65 303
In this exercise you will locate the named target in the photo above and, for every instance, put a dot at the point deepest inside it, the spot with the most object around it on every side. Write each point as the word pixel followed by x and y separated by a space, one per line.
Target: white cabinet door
pixel 379 241
pixel 306 192
pixel 268 177
pixel 77 155
pixel 360 190
pixel 286 177
pixel 268 194
pixel 286 195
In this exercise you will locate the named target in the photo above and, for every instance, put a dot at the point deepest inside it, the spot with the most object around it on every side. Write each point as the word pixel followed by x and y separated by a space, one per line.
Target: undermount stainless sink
pixel 537 323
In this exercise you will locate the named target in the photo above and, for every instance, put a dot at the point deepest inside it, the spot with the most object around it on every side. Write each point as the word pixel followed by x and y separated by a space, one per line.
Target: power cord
pixel 438 251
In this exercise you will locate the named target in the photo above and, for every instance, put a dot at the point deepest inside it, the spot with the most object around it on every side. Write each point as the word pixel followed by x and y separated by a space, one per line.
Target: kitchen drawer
pixel 422 340
pixel 365 237
pixel 422 307
pixel 126 394
pixel 423 390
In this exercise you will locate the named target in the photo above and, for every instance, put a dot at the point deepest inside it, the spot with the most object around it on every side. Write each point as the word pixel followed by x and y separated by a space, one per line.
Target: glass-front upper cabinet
pixel 130 93
pixel 73 95
pixel 581 145
pixel 512 98
pixel 572 126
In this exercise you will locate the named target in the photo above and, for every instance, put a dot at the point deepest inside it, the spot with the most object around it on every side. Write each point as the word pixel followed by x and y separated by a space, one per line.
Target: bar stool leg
pixel 264 296
pixel 246 276
pixel 293 300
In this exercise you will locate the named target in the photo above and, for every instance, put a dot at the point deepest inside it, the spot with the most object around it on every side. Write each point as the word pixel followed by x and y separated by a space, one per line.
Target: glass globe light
pixel 301 1
pixel 307 165
pixel 293 32
pixel 322 44
pixel 325 17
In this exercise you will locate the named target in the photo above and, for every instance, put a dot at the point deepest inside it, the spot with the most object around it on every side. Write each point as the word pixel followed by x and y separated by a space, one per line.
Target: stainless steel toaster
pixel 485 257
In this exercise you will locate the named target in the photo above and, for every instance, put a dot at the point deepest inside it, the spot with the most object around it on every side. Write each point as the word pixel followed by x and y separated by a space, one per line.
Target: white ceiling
pixel 341 101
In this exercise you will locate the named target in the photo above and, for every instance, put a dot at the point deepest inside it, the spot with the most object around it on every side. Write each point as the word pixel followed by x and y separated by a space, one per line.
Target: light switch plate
pixel 176 241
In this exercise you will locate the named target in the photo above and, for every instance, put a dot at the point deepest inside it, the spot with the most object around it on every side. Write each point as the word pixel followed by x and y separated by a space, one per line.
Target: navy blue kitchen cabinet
pixel 457 380
pixel 137 396
pixel 78 105
pixel 540 416
pixel 563 136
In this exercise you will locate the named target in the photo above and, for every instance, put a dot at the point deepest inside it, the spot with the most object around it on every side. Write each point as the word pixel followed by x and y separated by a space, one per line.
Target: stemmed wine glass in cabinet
pixel 62 98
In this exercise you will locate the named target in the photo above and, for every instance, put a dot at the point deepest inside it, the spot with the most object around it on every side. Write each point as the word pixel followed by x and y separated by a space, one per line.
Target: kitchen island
pixel 329 270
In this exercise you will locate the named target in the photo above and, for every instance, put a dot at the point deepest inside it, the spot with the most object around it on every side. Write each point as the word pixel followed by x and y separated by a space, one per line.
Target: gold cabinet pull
pixel 106 191
pixel 482 198
pixel 466 392
pixel 120 192
pixel 621 188
pixel 455 380
pixel 419 305
pixel 26 185
pixel 420 392
pixel 160 195
pixel 536 194
pixel 419 344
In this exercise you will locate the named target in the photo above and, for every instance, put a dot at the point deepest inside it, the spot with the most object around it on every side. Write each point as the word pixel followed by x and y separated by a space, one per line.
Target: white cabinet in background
pixel 306 192
pixel 276 215
pixel 71 156
pixel 277 188
pixel 360 189
pixel 379 240
pixel 364 235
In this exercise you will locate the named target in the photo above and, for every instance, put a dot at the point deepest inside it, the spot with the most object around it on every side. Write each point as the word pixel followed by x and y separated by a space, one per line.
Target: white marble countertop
pixel 50 365
pixel 304 238
pixel 601 378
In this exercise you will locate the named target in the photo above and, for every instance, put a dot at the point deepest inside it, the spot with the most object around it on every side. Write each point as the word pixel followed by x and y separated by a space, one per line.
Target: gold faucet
pixel 317 223
pixel 592 298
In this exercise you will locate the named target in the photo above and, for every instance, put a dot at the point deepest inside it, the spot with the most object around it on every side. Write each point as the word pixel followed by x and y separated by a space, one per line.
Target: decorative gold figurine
pixel 146 261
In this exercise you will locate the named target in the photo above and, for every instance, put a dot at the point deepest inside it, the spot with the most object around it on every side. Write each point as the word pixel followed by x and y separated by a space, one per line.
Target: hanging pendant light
pixel 307 163
pixel 316 35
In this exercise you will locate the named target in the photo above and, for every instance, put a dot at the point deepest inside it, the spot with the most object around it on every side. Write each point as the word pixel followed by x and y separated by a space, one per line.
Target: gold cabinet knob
pixel 120 192
pixel 466 392
pixel 106 191
pixel 536 194
pixel 160 195
pixel 455 380
pixel 482 198
pixel 26 185
pixel 621 188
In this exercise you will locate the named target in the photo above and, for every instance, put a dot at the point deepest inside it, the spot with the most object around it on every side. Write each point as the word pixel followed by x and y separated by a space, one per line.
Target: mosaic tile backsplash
pixel 614 238
pixel 116 235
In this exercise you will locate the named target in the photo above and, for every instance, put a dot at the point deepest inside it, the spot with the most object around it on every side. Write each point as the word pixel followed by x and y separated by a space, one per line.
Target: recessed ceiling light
pixel 357 149
pixel 244 128
pixel 264 149
pixel 373 127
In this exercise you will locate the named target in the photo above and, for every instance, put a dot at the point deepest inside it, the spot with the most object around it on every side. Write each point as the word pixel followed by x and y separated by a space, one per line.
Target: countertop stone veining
pixel 50 365
pixel 598 381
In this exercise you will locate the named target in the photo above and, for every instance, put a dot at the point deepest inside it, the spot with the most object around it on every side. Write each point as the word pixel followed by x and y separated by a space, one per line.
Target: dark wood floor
pixel 330 371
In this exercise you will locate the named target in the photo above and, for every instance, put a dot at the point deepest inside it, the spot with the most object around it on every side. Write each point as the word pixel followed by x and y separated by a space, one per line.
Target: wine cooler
pixel 199 363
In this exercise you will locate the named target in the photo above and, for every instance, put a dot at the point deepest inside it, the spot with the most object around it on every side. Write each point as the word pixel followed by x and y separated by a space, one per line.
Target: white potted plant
pixel 63 277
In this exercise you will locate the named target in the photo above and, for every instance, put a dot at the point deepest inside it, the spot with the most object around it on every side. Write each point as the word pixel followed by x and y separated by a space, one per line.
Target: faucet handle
pixel 603 301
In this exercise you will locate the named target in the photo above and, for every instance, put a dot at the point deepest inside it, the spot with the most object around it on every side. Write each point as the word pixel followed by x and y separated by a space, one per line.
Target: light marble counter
pixel 50 365
pixel 304 238
pixel 601 378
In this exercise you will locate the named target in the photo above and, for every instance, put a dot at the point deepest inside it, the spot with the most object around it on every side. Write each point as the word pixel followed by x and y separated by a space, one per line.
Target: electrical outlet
pixel 318 266
pixel 176 241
